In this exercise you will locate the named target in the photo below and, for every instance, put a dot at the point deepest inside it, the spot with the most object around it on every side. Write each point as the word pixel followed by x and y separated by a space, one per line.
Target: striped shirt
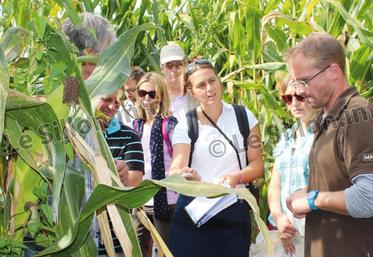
pixel 124 144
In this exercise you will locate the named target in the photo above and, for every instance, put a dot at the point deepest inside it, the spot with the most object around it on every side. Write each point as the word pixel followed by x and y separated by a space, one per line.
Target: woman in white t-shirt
pixel 155 126
pixel 214 160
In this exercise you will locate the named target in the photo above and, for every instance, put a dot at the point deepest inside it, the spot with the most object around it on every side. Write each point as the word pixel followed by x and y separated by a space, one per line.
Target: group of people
pixel 320 195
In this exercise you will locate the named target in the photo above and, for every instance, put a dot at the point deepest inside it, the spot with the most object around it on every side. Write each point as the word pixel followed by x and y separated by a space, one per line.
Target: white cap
pixel 171 52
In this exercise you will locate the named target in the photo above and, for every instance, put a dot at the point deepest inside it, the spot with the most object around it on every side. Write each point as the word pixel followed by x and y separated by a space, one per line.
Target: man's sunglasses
pixel 191 67
pixel 143 93
pixel 288 99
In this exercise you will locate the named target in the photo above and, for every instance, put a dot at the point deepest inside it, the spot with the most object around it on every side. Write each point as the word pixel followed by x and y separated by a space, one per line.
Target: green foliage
pixel 132 198
pixel 10 247
pixel 4 84
pixel 245 40
pixel 113 67
pixel 40 225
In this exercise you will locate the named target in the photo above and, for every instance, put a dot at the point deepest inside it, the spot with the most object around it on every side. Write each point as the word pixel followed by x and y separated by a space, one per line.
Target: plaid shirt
pixel 291 157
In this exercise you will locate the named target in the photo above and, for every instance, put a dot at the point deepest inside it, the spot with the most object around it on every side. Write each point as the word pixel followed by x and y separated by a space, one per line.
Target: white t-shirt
pixel 181 105
pixel 145 142
pixel 127 114
pixel 213 156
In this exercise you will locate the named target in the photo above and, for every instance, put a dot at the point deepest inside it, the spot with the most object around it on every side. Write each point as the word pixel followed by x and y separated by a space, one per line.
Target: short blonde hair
pixel 161 95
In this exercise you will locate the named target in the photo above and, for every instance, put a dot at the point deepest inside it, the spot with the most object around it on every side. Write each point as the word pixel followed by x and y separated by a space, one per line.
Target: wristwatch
pixel 311 197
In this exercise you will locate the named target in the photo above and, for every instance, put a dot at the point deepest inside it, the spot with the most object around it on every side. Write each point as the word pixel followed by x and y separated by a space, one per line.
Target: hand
pixel 288 246
pixel 298 204
pixel 285 227
pixel 232 179
pixel 122 169
pixel 190 174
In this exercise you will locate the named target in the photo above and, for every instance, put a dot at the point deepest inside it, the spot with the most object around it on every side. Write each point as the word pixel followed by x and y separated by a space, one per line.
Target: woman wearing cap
pixel 290 171
pixel 172 60
pixel 227 233
pixel 155 126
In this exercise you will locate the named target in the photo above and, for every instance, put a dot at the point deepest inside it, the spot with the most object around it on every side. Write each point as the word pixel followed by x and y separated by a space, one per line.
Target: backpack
pixel 243 125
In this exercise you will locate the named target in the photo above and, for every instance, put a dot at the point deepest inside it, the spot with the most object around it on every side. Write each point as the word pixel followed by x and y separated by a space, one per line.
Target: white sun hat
pixel 171 52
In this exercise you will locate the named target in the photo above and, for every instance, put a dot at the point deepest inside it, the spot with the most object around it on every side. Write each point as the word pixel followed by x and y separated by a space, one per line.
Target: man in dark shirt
pixel 124 143
pixel 338 203
pixel 125 147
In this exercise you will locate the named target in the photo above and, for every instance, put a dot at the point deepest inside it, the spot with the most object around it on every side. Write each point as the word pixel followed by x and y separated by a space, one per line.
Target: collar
pixel 128 102
pixel 340 104
pixel 180 98
pixel 114 126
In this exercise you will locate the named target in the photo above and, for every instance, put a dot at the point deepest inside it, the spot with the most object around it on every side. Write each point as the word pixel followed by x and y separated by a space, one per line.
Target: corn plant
pixel 244 39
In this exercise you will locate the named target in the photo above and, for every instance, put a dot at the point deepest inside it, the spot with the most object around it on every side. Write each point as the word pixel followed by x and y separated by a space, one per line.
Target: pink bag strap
pixel 166 137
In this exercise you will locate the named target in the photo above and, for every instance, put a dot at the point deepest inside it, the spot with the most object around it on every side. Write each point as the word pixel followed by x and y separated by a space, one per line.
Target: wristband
pixel 311 197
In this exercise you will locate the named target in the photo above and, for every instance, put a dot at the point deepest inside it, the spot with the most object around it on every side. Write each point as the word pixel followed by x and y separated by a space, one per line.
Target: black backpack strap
pixel 243 125
pixel 192 122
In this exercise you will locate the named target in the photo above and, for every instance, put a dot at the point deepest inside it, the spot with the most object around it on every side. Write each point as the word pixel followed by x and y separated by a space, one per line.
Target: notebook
pixel 202 209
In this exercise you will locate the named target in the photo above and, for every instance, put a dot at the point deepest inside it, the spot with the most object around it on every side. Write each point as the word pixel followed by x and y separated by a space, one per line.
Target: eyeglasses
pixel 302 84
pixel 288 99
pixel 130 90
pixel 192 67
pixel 143 93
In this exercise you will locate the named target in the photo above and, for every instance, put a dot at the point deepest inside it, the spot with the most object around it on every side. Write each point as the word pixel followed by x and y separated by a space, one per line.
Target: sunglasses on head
pixel 288 99
pixel 191 67
pixel 143 93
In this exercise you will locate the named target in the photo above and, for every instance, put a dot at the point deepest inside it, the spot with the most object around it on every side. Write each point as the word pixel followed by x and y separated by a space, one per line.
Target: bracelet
pixel 241 178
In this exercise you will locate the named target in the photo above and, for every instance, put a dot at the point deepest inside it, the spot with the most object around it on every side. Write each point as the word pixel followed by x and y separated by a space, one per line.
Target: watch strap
pixel 311 197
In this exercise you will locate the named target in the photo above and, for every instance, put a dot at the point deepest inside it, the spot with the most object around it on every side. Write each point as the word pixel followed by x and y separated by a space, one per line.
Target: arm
pixel 327 201
pixel 256 164
pixel 359 197
pixel 285 227
pixel 255 168
pixel 180 161
pixel 134 177
pixel 274 192
pixel 133 158
pixel 355 201
pixel 128 177
pixel 332 201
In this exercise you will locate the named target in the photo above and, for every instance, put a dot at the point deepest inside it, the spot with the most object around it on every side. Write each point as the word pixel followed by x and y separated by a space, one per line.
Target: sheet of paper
pixel 201 209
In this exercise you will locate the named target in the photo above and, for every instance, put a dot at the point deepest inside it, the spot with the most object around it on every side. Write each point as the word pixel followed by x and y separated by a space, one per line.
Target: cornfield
pixel 245 40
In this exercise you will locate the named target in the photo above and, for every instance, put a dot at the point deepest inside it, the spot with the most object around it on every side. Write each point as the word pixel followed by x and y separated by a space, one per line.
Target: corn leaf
pixel 14 41
pixel 135 197
pixel 300 27
pixel 43 121
pixel 4 86
pixel 113 66
pixel 365 35
pixel 17 100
